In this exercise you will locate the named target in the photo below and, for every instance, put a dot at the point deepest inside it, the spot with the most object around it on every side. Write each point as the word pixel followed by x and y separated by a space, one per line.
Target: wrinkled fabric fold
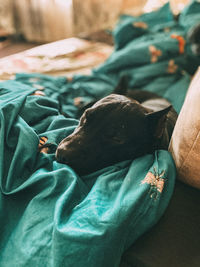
pixel 50 216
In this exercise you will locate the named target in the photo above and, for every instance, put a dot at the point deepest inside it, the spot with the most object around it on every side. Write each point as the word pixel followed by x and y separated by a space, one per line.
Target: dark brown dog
pixel 118 128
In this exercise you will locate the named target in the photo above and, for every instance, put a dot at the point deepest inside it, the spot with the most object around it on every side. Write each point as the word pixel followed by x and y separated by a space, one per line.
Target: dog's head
pixel 115 128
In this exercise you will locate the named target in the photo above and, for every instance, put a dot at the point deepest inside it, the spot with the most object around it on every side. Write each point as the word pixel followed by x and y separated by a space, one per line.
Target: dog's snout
pixel 60 157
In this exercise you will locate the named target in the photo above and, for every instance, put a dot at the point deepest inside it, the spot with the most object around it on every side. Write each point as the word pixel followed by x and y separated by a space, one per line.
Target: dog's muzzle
pixel 60 155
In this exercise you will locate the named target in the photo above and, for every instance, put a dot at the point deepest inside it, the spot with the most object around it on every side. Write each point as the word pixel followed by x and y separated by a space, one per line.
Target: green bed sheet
pixel 50 216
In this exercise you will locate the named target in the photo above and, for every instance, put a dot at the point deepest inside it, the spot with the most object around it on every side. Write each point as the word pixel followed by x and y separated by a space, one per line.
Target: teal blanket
pixel 50 216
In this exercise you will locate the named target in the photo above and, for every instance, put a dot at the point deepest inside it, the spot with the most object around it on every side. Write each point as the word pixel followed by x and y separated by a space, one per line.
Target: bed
pixel 50 216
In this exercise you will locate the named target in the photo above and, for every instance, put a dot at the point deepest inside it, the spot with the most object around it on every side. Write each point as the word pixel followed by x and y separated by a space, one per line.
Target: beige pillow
pixel 185 142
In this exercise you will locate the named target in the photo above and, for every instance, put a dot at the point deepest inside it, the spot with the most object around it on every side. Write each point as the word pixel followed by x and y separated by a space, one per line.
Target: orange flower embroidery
pixel 167 29
pixel 155 53
pixel 42 148
pixel 33 80
pixel 70 78
pixel 43 140
pixel 39 93
pixel 140 24
pixel 172 67
pixel 78 101
pixel 38 86
pixel 155 179
pixel 181 42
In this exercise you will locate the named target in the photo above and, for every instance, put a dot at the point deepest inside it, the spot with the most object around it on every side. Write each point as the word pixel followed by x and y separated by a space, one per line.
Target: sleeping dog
pixel 124 125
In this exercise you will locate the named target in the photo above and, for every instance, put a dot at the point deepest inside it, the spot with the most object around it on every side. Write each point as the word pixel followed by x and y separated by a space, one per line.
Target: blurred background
pixel 27 23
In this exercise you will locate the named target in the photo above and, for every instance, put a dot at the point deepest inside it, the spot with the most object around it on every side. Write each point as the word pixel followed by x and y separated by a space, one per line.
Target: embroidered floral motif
pixel 181 42
pixel 42 148
pixel 78 101
pixel 140 24
pixel 39 93
pixel 172 67
pixel 33 80
pixel 38 86
pixel 69 78
pixel 156 180
pixel 43 140
pixel 167 29
pixel 155 53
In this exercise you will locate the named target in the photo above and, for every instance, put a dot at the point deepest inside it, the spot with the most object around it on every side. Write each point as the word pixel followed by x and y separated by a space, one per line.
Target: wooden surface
pixel 8 47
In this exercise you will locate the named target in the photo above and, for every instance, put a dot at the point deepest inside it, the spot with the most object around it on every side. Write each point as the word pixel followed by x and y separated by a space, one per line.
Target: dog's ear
pixel 122 86
pixel 156 121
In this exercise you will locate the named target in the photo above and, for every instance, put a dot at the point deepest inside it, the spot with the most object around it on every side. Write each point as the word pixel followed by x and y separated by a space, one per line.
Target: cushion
pixel 185 142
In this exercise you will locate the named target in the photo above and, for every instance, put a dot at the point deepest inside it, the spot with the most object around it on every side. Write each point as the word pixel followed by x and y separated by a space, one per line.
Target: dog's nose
pixel 60 155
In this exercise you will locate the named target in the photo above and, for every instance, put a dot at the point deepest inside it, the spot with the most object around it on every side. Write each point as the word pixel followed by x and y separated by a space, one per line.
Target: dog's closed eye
pixel 118 140
pixel 115 136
